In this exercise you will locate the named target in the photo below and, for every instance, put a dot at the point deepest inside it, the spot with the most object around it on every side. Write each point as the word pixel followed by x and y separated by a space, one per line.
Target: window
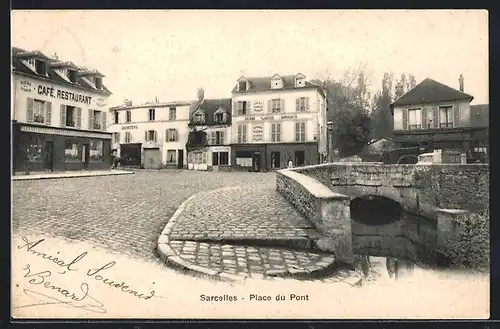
pixel 199 117
pixel 276 106
pixel 276 132
pixel 150 135
pixel 220 158
pixel 242 86
pixel 300 131
pixel 128 137
pixel 98 82
pixel 128 116
pixel 97 120
pixel 95 150
pixel 446 117
pixel 72 76
pixel 216 138
pixel 299 82
pixel 117 116
pixel 481 149
pixel 38 111
pixel 70 116
pixel 220 116
pixel 242 108
pixel 275 160
pixel 34 149
pixel 276 83
pixel 242 133
pixel 72 151
pixel 414 119
pixel 116 137
pixel 151 114
pixel 171 156
pixel 302 104
pixel 243 158
pixel 172 113
pixel 41 67
pixel 171 135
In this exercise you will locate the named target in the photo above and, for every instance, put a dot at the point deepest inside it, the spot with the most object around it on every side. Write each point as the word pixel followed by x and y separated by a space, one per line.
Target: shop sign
pixel 270 118
pixel 257 133
pixel 288 117
pixel 62 94
pixel 25 85
pixel 130 127
pixel 258 106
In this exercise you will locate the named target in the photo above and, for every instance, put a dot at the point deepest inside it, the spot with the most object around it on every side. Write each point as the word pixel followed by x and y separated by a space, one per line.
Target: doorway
pixel 180 159
pixel 49 156
pixel 85 156
pixel 256 161
pixel 300 158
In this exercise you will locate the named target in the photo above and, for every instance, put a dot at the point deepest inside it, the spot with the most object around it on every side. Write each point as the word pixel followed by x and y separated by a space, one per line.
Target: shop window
pixel 72 151
pixel 34 149
pixel 220 158
pixel 95 150
pixel 171 156
pixel 244 158
pixel 275 160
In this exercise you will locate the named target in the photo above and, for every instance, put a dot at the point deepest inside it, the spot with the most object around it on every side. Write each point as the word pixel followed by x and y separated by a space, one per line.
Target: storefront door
pixel 256 161
pixel 49 155
pixel 85 156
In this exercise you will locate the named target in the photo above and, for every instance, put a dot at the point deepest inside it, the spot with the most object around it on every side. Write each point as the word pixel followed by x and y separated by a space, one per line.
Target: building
pixel 58 115
pixel 276 119
pixel 435 116
pixel 210 134
pixel 151 135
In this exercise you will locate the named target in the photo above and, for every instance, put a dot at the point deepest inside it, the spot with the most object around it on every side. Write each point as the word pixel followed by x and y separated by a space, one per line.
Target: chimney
pixel 201 94
pixel 461 82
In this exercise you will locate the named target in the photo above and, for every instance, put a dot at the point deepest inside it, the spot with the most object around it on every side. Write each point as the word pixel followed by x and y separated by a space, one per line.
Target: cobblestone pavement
pixel 124 214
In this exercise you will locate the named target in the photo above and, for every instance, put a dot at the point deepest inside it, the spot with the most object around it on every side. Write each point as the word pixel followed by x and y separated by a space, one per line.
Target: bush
pixel 473 247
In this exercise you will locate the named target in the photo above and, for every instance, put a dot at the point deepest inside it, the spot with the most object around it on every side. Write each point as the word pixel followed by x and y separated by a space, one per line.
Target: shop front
pixel 39 148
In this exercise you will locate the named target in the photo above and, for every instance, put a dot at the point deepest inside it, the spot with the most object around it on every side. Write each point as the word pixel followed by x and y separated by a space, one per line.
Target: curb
pixel 27 177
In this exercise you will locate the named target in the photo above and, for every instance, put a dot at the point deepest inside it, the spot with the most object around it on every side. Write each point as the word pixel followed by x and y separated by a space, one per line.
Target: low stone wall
pixel 329 212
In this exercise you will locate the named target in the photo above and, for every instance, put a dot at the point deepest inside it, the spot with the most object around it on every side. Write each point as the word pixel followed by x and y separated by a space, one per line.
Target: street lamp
pixel 329 127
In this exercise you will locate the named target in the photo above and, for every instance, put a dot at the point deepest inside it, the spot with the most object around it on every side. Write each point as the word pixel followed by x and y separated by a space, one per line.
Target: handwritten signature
pixel 83 301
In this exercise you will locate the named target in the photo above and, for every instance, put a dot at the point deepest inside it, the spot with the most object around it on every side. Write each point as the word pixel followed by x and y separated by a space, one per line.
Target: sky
pixel 168 55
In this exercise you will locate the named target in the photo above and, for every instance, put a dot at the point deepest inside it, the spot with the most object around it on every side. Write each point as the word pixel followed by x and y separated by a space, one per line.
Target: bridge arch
pixel 375 210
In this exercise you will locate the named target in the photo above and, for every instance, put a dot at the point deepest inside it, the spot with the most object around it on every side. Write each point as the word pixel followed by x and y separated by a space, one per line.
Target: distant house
pixel 376 148
pixel 434 115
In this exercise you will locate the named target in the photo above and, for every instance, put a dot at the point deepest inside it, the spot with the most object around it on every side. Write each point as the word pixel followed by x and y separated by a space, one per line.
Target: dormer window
pixel 300 80
pixel 199 117
pixel 220 116
pixel 276 82
pixel 72 76
pixel 242 85
pixel 98 82
pixel 40 67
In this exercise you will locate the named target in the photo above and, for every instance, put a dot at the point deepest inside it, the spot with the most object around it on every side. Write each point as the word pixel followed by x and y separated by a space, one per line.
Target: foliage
pixel 197 138
pixel 348 109
pixel 473 248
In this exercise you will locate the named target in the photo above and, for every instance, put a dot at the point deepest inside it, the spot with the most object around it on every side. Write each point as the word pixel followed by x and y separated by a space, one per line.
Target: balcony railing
pixel 446 125
pixel 96 125
pixel 38 118
pixel 70 123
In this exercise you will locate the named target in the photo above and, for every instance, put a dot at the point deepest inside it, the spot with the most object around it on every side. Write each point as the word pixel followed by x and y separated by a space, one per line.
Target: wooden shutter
pixel 235 108
pixel 282 106
pixel 29 110
pixel 63 115
pixel 456 115
pixel 103 119
pixel 222 137
pixel 435 117
pixel 405 119
pixel 249 107
pixel 166 135
pixel 91 119
pixel 78 117
pixel 297 104
pixel 146 135
pixel 154 135
pixel 423 111
pixel 307 103
pixel 48 113
pixel 270 106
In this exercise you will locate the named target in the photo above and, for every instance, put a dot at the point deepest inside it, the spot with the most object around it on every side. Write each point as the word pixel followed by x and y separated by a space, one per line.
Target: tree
pixel 348 109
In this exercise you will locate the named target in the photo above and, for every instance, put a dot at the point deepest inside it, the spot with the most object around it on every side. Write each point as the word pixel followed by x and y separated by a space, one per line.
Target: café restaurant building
pixel 58 115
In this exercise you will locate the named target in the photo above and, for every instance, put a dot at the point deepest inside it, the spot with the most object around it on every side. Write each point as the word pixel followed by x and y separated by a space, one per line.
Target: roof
pixel 151 105
pixel 431 91
pixel 210 106
pixel 264 84
pixel 21 68
pixel 479 115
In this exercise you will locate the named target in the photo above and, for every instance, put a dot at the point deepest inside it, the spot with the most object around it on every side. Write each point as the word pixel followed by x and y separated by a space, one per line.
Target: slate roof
pixel 209 107
pixel 479 115
pixel 19 67
pixel 264 84
pixel 431 91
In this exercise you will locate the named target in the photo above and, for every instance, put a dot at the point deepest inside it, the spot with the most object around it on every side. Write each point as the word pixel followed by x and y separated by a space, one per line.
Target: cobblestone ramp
pixel 241 232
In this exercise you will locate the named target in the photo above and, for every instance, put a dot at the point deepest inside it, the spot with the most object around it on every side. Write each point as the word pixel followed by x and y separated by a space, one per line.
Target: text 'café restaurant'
pixel 58 115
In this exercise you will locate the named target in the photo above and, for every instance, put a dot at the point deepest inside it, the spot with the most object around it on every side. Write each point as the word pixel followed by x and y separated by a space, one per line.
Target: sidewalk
pixel 69 174
pixel 243 232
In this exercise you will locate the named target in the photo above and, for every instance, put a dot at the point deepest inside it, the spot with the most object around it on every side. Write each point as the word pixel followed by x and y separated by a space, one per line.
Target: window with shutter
pixel 63 115
pixel 424 118
pixel 48 113
pixel 146 135
pixel 307 104
pixel 297 104
pixel 405 119
pixel 435 117
pixel 104 114
pixel 91 119
pixel 29 110
pixel 282 105
pixel 456 115
pixel 78 117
